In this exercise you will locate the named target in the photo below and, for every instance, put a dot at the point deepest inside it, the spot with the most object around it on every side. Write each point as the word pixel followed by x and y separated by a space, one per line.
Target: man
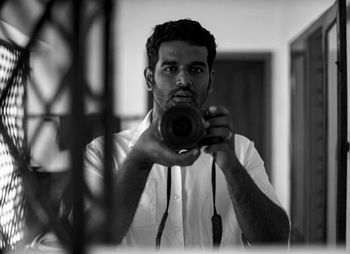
pixel 180 58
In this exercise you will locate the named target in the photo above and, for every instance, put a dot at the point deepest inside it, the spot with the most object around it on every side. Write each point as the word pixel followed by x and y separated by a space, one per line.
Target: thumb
pixel 188 158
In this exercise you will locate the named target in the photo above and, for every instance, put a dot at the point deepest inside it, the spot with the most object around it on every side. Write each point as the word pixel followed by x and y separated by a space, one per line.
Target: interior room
pixel 72 72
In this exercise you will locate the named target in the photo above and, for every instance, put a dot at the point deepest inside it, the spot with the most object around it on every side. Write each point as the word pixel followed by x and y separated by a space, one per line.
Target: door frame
pixel 297 49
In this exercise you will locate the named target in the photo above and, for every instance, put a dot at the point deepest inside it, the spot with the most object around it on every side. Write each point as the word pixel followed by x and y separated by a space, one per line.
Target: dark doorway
pixel 242 84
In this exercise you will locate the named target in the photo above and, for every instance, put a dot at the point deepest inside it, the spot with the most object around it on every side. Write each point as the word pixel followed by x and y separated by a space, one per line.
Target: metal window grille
pixel 17 182
pixel 12 133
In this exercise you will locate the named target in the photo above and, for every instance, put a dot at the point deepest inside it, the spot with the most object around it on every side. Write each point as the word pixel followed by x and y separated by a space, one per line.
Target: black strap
pixel 165 215
pixel 216 218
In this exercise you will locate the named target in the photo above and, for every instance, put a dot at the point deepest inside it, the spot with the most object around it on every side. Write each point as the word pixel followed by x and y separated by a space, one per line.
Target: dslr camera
pixel 182 128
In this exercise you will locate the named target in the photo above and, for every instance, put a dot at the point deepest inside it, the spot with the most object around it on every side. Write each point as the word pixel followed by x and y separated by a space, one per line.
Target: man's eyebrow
pixel 200 63
pixel 167 62
pixel 194 63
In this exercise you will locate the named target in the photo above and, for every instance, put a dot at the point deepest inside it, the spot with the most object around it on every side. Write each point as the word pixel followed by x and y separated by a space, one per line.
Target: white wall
pixel 238 25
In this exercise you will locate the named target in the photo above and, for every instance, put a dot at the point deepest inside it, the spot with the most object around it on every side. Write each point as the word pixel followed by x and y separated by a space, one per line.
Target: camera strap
pixel 216 218
pixel 165 215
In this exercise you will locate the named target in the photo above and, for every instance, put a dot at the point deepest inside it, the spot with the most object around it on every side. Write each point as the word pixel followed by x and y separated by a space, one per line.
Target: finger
pixel 170 157
pixel 222 132
pixel 217 111
pixel 229 136
pixel 220 121
pixel 187 158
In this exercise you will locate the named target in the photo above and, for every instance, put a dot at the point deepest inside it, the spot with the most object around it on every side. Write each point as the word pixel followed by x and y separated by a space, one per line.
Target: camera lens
pixel 182 127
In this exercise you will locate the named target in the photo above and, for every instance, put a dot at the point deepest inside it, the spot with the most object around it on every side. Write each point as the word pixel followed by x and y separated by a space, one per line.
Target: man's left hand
pixel 219 125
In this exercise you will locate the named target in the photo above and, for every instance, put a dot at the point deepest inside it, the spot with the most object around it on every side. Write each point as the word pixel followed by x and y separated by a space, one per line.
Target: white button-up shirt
pixel 191 200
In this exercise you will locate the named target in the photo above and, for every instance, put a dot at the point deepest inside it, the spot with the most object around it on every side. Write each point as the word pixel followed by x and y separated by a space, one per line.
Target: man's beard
pixel 166 101
pixel 184 95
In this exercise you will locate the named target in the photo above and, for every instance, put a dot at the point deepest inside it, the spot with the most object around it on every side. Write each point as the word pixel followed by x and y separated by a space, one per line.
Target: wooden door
pixel 242 84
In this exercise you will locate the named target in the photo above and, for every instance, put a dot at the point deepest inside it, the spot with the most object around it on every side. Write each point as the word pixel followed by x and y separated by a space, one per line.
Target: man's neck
pixel 156 114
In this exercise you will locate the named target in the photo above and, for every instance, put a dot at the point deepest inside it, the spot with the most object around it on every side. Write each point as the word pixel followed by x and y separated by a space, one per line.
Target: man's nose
pixel 183 79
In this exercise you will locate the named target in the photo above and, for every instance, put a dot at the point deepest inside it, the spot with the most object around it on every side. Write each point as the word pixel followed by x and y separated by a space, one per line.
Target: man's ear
pixel 148 73
pixel 211 81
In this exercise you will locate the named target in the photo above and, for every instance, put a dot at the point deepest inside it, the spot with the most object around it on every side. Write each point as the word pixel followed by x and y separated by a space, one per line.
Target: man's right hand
pixel 150 148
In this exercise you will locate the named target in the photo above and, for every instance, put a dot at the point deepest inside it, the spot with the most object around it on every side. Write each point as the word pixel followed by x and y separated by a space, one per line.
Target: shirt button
pixel 176 197
pixel 178 229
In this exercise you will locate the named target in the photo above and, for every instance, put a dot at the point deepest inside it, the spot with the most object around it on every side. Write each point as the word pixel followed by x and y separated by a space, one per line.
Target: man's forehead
pixel 182 49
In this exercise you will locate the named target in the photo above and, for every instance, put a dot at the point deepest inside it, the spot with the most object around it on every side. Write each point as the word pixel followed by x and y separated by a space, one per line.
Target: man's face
pixel 181 75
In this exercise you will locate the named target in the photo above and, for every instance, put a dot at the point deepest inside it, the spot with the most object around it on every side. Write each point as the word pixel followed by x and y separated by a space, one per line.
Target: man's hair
pixel 183 30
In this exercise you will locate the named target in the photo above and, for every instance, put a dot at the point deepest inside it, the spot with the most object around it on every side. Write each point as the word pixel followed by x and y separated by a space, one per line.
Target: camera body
pixel 183 127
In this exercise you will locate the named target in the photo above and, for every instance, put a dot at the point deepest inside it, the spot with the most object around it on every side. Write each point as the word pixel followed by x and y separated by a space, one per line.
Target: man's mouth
pixel 184 97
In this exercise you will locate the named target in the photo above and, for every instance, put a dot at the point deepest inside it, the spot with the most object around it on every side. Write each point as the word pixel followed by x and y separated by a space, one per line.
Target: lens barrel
pixel 182 127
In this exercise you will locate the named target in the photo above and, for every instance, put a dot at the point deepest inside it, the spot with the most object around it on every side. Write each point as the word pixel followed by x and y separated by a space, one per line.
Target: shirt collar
pixel 140 129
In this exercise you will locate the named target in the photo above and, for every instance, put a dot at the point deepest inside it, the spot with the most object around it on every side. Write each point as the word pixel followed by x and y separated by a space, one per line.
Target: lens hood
pixel 182 127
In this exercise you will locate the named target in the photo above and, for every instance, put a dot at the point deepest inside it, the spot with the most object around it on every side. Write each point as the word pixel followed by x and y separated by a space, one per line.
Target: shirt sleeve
pixel 94 161
pixel 93 164
pixel 253 163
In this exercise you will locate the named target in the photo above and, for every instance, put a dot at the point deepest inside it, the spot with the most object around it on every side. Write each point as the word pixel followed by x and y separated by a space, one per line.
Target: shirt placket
pixel 176 207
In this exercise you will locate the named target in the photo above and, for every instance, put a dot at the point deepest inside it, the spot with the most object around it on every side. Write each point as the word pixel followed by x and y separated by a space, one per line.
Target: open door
pixel 318 143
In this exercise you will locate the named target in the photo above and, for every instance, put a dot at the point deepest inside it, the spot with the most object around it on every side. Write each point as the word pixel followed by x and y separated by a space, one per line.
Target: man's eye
pixel 197 70
pixel 169 68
